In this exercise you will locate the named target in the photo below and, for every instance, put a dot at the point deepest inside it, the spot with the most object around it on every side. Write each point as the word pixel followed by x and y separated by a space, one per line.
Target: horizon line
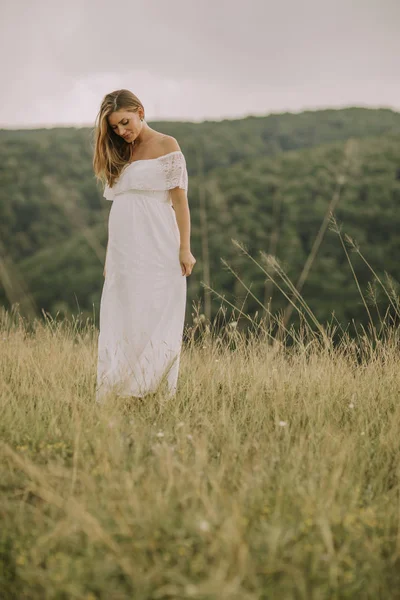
pixel 204 120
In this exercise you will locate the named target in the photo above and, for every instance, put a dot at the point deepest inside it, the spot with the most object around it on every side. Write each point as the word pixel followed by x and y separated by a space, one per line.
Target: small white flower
pixel 217 360
pixel 160 434
pixel 204 525
pixel 282 423
pixel 351 405
pixel 325 557
pixel 189 436
pixel 181 424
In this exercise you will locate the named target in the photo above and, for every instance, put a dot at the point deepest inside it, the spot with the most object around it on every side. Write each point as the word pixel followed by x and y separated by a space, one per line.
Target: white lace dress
pixel 143 301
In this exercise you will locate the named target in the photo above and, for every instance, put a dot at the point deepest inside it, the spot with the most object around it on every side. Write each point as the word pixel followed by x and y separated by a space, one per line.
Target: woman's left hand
pixel 187 261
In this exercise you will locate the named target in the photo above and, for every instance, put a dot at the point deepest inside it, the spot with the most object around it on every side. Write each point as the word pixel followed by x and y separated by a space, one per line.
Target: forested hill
pixel 266 181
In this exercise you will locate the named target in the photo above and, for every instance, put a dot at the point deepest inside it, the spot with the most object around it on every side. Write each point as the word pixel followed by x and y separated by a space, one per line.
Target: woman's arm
pixel 182 213
pixel 181 206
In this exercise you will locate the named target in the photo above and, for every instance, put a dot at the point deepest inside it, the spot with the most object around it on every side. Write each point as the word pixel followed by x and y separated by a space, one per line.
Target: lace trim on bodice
pixel 163 173
pixel 174 167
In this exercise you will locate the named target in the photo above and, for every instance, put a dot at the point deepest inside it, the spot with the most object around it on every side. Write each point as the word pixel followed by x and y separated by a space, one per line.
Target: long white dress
pixel 143 301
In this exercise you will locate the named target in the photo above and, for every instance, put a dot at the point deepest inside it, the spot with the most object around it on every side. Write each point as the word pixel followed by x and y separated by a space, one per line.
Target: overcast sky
pixel 195 59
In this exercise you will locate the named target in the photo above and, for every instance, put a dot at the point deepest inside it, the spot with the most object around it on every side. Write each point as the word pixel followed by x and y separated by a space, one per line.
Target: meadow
pixel 272 474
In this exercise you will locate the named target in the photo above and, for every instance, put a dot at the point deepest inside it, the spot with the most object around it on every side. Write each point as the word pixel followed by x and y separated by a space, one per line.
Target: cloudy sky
pixel 195 59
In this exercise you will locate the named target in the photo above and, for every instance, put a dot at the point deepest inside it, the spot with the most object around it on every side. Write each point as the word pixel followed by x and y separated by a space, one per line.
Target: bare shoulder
pixel 170 144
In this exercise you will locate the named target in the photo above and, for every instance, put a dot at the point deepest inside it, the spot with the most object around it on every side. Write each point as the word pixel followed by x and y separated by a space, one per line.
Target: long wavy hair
pixel 111 152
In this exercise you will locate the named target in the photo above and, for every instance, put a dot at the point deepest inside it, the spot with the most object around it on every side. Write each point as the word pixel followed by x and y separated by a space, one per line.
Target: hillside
pixel 267 182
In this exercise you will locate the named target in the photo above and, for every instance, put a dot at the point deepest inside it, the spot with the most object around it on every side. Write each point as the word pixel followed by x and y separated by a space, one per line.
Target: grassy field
pixel 274 472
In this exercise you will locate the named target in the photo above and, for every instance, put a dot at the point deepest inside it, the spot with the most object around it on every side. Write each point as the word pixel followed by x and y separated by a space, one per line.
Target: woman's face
pixel 126 124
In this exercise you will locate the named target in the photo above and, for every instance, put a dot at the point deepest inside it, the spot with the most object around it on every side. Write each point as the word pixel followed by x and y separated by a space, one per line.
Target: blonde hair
pixel 111 152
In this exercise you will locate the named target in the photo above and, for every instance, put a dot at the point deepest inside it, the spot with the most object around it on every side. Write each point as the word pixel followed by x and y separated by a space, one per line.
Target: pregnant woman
pixel 148 255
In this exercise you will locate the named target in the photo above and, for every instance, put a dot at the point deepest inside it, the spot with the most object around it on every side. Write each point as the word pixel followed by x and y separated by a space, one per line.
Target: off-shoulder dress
pixel 143 300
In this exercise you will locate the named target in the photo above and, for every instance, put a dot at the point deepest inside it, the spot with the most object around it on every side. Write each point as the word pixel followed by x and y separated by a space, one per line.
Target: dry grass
pixel 274 472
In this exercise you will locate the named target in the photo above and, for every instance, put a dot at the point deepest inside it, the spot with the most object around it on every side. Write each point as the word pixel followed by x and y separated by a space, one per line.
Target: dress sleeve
pixel 176 171
pixel 108 192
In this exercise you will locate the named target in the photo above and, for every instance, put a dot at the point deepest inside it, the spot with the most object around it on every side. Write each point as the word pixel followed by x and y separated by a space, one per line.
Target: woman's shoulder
pixel 169 144
pixel 161 144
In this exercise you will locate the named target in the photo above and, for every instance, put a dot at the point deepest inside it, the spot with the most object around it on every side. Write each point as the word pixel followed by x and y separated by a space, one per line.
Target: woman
pixel 148 255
